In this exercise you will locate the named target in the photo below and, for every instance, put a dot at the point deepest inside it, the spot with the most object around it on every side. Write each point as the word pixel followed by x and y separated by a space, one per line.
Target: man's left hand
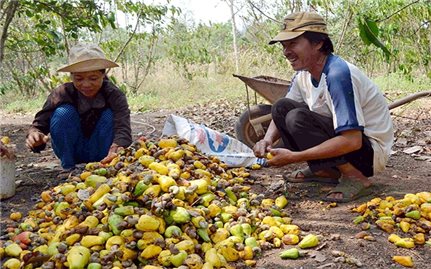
pixel 282 156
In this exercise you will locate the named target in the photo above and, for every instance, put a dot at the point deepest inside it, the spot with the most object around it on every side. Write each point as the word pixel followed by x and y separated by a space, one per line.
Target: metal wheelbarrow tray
pixel 268 87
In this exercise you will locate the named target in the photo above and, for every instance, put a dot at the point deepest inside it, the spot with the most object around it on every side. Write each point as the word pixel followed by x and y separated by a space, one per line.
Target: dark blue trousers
pixel 69 143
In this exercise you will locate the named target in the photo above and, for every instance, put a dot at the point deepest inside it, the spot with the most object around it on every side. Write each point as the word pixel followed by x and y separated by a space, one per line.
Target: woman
pixel 88 118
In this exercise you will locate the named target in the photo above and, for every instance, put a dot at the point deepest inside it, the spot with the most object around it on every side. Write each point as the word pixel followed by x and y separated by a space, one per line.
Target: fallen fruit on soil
pixel 78 257
pixel 281 201
pixel 403 260
pixel 292 253
pixel 309 241
pixel 5 140
pixel 407 220
pixel 15 216
pixel 157 204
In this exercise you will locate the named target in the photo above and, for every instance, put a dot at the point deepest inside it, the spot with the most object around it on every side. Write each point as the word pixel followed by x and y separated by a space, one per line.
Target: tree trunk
pixel 17 79
pixel 235 46
pixel 10 13
pixel 149 63
pixel 346 24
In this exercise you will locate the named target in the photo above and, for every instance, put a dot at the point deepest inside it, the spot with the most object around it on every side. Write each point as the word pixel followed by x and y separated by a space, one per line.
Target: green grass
pixel 18 104
pixel 165 88
pixel 396 84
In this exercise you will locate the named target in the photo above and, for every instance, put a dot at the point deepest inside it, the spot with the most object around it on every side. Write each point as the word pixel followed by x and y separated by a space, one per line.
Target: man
pixel 88 118
pixel 333 117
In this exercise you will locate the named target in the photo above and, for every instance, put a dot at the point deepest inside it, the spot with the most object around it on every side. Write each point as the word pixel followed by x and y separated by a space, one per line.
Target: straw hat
pixel 87 57
pixel 298 23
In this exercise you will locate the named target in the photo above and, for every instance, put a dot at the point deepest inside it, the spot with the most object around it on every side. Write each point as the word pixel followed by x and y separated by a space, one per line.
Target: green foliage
pixel 166 61
pixel 120 86
pixel 139 53
pixel 398 27
pixel 187 46
pixel 369 33
pixel 42 20
pixel 43 30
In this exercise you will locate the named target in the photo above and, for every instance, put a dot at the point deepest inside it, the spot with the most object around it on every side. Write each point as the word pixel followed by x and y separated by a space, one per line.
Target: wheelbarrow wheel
pixel 244 130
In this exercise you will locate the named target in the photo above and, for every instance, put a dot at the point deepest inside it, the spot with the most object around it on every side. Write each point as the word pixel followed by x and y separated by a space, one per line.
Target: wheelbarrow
pixel 253 122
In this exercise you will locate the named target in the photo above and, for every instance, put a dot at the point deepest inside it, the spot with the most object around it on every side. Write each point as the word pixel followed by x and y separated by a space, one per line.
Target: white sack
pixel 228 149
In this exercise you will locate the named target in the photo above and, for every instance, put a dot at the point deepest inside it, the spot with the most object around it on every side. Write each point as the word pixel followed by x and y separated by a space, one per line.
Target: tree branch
pixel 398 11
pixel 345 25
pixel 150 61
pixel 39 77
pixel 263 13
pixel 3 13
pixel 420 26
pixel 16 77
pixel 66 41
pixel 128 40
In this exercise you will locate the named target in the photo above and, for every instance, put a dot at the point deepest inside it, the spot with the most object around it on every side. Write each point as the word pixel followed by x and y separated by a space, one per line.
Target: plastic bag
pixel 210 142
pixel 7 168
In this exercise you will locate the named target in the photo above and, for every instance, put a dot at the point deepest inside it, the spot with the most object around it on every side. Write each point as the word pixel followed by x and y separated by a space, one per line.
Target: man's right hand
pixel 261 147
pixel 36 139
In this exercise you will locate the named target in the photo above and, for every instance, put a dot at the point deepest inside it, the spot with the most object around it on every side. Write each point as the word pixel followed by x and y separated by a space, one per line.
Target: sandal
pixel 309 176
pixel 351 190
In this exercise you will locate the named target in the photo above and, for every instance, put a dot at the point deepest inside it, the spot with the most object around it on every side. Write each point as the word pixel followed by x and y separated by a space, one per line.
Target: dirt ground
pixel 408 171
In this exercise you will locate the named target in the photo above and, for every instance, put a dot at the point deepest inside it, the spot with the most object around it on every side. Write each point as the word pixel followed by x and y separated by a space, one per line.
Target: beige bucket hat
pixel 86 57
pixel 298 23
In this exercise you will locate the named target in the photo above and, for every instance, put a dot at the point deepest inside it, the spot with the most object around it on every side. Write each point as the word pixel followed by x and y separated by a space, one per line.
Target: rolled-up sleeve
pixel 42 118
pixel 122 130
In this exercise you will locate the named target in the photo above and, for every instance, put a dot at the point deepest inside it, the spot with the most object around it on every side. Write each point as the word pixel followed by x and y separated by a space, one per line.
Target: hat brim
pixel 283 36
pixel 88 65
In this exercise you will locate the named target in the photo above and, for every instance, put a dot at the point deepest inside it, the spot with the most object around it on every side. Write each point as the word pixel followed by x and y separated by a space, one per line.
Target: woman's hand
pixel 111 154
pixel 261 147
pixel 36 139
pixel 4 152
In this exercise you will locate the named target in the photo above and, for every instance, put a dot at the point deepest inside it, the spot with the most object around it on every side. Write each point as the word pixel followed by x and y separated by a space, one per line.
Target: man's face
pixel 301 54
pixel 88 83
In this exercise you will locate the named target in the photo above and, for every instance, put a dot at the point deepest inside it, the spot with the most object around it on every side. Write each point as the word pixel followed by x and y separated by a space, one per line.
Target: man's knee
pixel 296 118
pixel 282 106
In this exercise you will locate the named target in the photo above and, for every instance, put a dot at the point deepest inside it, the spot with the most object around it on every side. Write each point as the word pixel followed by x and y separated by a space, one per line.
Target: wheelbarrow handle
pixel 408 99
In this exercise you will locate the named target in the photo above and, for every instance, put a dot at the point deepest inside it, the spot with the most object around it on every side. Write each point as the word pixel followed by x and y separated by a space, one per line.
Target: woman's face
pixel 88 83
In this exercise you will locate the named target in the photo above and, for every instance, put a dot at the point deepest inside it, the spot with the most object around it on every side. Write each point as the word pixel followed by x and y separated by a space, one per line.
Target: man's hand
pixel 111 154
pixel 261 147
pixel 282 157
pixel 35 139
